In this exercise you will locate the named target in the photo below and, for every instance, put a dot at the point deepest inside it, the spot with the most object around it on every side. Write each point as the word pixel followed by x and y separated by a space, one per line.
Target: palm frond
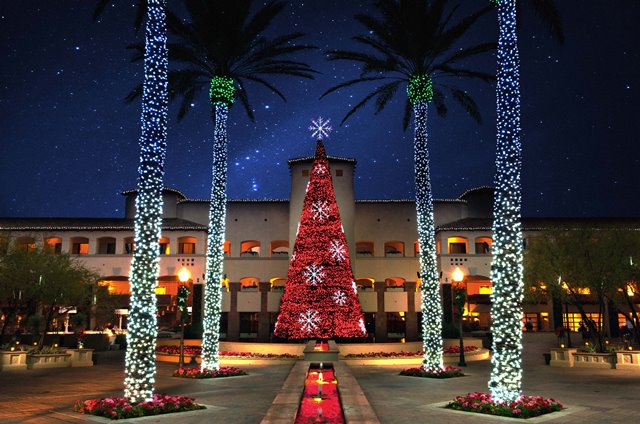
pixel 385 94
pixel 467 103
pixel 548 12
pixel 99 10
pixel 134 94
pixel 469 52
pixel 138 51
pixel 244 99
pixel 350 83
pixel 449 71
pixel 438 101
pixel 265 83
pixel 408 110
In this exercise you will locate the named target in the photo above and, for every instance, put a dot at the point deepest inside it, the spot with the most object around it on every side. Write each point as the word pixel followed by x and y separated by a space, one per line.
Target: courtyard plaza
pixel 592 395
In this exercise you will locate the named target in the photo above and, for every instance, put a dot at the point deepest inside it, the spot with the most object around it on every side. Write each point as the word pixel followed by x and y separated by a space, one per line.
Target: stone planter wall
pixel 13 361
pixel 628 360
pixel 594 360
pixel 562 357
pixel 81 357
pixel 50 360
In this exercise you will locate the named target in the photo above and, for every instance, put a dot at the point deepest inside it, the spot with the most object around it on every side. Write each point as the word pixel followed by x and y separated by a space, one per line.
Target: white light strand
pixel 505 382
pixel 215 243
pixel 430 288
pixel 140 358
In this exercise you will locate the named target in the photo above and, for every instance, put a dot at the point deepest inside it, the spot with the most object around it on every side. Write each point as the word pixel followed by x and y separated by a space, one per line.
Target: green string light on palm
pixel 420 88
pixel 222 90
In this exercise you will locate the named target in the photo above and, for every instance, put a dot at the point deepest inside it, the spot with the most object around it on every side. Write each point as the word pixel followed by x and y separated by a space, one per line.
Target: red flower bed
pixel 456 349
pixel 195 372
pixel 449 350
pixel 447 372
pixel 118 407
pixel 197 350
pixel 526 407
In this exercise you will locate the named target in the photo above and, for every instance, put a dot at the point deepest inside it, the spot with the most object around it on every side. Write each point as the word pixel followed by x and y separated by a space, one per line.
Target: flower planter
pixel 562 357
pixel 81 357
pixel 594 360
pixel 628 360
pixel 49 360
pixel 13 361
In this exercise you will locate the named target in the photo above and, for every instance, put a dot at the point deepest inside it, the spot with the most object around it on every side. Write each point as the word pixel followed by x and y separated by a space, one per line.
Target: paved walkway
pixel 47 396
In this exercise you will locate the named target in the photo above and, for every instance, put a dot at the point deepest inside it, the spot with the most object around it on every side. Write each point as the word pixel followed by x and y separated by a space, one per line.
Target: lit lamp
pixel 460 299
pixel 183 292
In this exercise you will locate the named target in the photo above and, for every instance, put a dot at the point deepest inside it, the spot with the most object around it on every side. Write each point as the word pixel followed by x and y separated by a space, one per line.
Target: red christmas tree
pixel 320 298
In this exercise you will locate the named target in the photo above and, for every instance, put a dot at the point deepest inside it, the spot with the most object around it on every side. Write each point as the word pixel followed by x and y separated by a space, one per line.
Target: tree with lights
pixel 320 298
pixel 224 47
pixel 140 363
pixel 415 43
pixel 505 382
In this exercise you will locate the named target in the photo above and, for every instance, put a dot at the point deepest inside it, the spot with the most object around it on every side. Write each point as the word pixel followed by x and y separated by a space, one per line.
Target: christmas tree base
pixel 321 351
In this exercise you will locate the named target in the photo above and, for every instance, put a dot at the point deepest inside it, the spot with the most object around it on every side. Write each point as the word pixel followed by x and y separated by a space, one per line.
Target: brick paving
pixel 594 396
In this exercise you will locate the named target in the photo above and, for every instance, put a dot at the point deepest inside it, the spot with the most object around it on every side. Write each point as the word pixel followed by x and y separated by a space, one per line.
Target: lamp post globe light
pixel 183 292
pixel 460 299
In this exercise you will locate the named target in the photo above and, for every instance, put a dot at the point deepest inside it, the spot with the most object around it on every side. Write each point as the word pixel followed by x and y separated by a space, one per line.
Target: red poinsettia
pixel 525 407
pixel 200 373
pixel 119 408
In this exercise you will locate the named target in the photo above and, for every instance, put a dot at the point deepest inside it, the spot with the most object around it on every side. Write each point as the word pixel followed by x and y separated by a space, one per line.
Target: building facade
pixel 381 235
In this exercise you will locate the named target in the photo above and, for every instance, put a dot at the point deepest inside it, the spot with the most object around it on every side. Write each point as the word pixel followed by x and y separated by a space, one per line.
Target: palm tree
pixel 223 48
pixel 505 382
pixel 140 365
pixel 413 43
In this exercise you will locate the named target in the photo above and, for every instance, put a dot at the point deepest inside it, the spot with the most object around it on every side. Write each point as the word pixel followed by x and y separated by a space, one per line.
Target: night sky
pixel 69 143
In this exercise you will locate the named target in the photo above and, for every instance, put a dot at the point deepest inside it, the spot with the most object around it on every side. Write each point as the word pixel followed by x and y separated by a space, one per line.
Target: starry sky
pixel 69 142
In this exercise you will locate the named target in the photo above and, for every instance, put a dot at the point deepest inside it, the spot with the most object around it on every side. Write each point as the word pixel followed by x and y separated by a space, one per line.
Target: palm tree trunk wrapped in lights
pixel 140 364
pixel 506 271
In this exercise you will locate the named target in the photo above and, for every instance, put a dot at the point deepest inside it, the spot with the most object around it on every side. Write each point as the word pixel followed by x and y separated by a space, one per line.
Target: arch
pixel 164 245
pixel 26 243
pixel 249 284
pixel 457 245
pixel 394 282
pixel 366 284
pixel 53 245
pixel 279 248
pixel 129 246
pixel 364 248
pixel 106 246
pixel 187 245
pixel 394 249
pixel 483 245
pixel 278 283
pixel 250 248
pixel 226 248
pixel 79 246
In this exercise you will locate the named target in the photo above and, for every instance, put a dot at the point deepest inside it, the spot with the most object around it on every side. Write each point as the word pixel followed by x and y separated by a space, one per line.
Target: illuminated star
pixel 320 210
pixel 313 274
pixel 320 128
pixel 309 320
pixel 337 250
pixel 340 298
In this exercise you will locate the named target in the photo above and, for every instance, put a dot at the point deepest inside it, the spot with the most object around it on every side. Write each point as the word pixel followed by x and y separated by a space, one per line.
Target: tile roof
pixel 89 224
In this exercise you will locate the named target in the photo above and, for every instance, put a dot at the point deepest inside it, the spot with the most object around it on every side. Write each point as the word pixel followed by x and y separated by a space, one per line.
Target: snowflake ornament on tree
pixel 320 128
pixel 320 299
pixel 309 320
pixel 313 274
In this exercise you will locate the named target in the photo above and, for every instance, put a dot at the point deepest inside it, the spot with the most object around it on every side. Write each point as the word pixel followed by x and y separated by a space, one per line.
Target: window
pixel 277 284
pixel 339 172
pixel 364 248
pixel 53 245
pixel 280 248
pixel 394 249
pixel 457 245
pixel 164 246
pixel 79 246
pixel 365 284
pixel 187 245
pixel 28 244
pixel 106 246
pixel 575 319
pixel 250 248
pixel 395 284
pixel 248 325
pixel 305 172
pixel 227 248
pixel 249 284
pixel 396 326
pixel 128 245
pixel 483 246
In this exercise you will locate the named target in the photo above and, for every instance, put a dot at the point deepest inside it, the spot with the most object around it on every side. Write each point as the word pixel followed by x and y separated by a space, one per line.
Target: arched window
pixel 280 248
pixel 395 283
pixel 187 245
pixel 53 245
pixel 483 245
pixel 457 245
pixel 394 249
pixel 79 246
pixel 164 245
pixel 250 248
pixel 277 284
pixel 106 246
pixel 226 247
pixel 128 245
pixel 28 244
pixel 249 284
pixel 365 284
pixel 364 248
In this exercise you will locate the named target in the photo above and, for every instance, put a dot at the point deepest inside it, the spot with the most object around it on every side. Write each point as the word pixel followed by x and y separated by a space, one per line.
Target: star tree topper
pixel 320 128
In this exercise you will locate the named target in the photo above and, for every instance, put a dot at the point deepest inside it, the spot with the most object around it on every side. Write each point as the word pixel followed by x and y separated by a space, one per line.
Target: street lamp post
pixel 183 292
pixel 460 300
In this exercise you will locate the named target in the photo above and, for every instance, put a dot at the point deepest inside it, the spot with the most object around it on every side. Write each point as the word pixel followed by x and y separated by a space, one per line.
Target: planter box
pixel 81 357
pixel 50 360
pixel 562 357
pixel 628 360
pixel 16 360
pixel 594 360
